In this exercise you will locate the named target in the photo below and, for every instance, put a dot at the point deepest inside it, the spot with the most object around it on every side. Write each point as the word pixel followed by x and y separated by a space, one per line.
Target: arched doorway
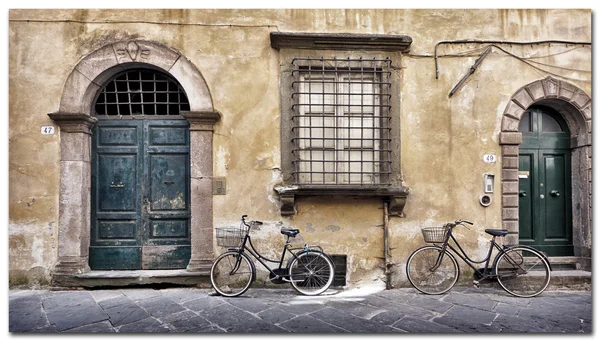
pixel 140 212
pixel 571 109
pixel 77 120
pixel 545 182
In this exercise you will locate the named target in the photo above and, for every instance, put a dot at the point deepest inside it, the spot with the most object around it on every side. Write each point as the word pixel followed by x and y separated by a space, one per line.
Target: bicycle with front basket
pixel 520 270
pixel 308 269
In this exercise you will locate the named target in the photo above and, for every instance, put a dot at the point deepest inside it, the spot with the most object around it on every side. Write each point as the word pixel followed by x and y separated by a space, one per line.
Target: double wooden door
pixel 140 195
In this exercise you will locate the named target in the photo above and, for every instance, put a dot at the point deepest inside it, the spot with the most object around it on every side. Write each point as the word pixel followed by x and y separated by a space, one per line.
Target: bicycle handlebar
pixel 255 222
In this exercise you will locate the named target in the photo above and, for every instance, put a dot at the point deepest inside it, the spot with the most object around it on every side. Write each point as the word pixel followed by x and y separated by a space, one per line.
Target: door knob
pixel 522 194
pixel 554 193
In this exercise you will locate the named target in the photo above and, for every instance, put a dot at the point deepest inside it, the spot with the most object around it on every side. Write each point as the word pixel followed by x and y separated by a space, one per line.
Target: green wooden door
pixel 545 220
pixel 140 195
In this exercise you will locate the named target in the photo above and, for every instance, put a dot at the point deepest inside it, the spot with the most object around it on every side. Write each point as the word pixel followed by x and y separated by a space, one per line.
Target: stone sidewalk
pixel 193 310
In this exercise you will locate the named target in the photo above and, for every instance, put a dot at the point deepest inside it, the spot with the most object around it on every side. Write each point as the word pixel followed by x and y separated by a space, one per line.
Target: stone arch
pixel 75 119
pixel 97 67
pixel 575 106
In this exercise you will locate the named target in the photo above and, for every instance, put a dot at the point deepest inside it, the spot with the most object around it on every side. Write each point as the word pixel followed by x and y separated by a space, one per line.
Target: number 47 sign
pixel 48 130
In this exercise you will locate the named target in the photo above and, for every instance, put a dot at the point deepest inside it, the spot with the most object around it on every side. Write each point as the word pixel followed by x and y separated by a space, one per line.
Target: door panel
pixel 168 188
pixel 555 197
pixel 140 195
pixel 117 183
pixel 527 160
pixel 545 219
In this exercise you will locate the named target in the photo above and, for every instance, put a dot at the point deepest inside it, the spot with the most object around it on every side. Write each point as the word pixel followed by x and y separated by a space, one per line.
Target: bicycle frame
pixel 275 273
pixel 487 271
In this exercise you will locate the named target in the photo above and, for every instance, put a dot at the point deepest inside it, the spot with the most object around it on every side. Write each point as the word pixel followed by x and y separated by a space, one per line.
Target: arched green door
pixel 545 220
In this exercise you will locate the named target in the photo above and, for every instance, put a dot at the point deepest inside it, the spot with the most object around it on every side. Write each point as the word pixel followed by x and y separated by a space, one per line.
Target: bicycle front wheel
pixel 232 274
pixel 425 276
pixel 522 271
pixel 311 272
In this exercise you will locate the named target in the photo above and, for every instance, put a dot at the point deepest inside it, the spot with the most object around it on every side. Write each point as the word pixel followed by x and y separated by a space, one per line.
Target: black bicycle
pixel 308 269
pixel 520 270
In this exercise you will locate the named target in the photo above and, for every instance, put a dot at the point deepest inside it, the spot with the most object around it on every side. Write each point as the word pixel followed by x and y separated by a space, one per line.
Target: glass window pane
pixel 525 124
pixel 549 124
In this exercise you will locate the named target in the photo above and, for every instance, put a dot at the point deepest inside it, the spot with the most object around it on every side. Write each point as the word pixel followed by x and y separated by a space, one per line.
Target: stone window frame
pixel 75 119
pixel 575 107
pixel 339 45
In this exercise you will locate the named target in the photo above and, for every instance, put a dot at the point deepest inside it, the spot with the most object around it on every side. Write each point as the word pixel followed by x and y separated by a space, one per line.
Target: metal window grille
pixel 341 121
pixel 141 92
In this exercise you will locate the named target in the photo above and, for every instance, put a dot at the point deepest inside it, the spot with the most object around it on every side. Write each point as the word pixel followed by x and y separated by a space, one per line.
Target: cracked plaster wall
pixel 442 139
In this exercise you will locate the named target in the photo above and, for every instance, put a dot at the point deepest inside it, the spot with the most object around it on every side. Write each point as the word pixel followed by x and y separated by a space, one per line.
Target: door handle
pixel 554 193
pixel 522 194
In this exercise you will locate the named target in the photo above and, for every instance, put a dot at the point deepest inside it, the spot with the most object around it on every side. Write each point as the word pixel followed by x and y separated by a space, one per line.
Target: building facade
pixel 134 134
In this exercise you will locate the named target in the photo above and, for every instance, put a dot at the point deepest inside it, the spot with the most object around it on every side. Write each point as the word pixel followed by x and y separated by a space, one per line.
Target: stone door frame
pixel 575 106
pixel 75 119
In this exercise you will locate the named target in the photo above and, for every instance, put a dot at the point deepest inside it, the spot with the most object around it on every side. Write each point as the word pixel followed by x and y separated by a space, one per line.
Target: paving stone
pixel 350 322
pixel 159 306
pixel 103 295
pixel 65 319
pixel 253 305
pixel 468 319
pixel 193 324
pixel 514 324
pixel 25 313
pixel 412 311
pixel 300 308
pixel 204 303
pixel 553 320
pixel 309 324
pixel 99 327
pixel 148 325
pixel 415 325
pixel 140 294
pixel 235 320
pixel 357 309
pixel 182 295
pixel 125 313
pixel 387 317
pixel 560 307
pixel 507 309
pixel 430 304
pixel 178 316
pixel 470 301
pixel 275 315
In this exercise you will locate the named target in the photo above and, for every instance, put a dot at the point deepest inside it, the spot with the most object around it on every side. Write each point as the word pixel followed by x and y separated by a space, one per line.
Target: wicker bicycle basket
pixel 230 236
pixel 434 234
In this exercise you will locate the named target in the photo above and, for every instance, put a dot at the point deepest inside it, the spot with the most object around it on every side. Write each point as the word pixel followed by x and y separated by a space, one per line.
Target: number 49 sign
pixel 489 158
pixel 48 130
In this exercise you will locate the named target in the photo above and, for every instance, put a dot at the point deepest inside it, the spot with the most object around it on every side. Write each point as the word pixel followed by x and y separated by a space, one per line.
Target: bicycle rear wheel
pixel 232 274
pixel 311 272
pixel 522 271
pixel 422 275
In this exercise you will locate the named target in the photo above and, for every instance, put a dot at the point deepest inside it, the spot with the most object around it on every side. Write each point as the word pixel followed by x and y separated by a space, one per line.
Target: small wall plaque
pixel 47 130
pixel 219 186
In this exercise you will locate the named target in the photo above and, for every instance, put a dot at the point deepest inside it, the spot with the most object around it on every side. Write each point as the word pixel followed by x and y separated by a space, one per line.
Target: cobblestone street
pixel 192 310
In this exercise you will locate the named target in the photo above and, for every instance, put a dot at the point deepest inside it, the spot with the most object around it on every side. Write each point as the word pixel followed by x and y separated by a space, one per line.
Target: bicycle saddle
pixel 496 233
pixel 290 232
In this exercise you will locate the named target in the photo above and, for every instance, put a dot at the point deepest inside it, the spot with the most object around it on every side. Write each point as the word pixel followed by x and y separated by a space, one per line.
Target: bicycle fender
pixel 289 262
pixel 542 253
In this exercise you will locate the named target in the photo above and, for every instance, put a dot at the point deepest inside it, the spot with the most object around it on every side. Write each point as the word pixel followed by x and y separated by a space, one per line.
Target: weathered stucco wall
pixel 442 139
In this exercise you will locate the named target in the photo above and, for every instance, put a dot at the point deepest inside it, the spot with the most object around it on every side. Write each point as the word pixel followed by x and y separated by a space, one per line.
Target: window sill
pixel 395 195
